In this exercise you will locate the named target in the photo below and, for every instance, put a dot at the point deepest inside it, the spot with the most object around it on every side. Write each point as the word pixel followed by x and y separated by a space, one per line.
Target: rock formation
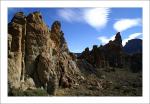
pixel 133 46
pixel 107 55
pixel 16 36
pixel 113 51
pixel 39 58
pixel 112 55
pixel 38 53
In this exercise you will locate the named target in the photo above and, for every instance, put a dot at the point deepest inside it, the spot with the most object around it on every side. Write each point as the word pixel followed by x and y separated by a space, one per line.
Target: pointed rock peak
pixel 56 24
pixel 56 27
pixel 19 14
pixel 118 38
pixel 19 18
pixel 35 17
pixel 37 13
pixel 87 49
pixel 95 47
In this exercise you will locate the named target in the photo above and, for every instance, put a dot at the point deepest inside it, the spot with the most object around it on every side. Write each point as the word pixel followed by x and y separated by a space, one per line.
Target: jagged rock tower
pixel 38 55
pixel 104 56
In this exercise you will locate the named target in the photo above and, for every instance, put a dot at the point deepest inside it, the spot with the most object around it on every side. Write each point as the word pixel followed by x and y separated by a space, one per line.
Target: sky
pixel 85 27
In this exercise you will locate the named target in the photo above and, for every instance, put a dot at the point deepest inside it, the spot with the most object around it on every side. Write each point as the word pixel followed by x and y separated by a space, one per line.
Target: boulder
pixel 46 74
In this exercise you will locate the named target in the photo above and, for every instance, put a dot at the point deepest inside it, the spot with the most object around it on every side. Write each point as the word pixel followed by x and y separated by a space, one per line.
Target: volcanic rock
pixel 133 46
pixel 16 31
pixel 107 55
pixel 46 74
pixel 37 40
pixel 38 53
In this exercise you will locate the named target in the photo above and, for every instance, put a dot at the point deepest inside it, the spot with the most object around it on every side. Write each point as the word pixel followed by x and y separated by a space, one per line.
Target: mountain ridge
pixel 133 46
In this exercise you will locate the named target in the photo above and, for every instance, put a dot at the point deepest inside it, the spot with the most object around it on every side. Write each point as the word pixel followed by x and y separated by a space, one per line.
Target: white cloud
pixel 124 24
pixel 95 17
pixel 132 36
pixel 69 15
pixel 105 39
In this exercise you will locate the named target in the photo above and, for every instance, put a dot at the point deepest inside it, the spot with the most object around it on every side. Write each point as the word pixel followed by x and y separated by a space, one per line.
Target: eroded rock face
pixel 65 63
pixel 114 51
pixel 46 74
pixel 16 33
pixel 133 46
pixel 107 55
pixel 112 55
pixel 118 39
pixel 35 52
pixel 37 40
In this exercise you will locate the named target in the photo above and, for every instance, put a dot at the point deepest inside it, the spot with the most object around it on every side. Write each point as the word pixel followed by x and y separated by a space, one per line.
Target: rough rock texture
pixel 113 50
pixel 112 55
pixel 37 40
pixel 45 74
pixel 38 53
pixel 16 31
pixel 64 61
pixel 107 55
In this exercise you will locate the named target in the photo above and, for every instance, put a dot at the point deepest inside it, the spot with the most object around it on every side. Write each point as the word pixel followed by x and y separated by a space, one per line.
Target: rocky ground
pixel 114 83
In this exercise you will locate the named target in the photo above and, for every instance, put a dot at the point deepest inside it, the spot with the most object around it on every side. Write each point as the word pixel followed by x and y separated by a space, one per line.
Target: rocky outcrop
pixel 113 51
pixel 107 55
pixel 85 54
pixel 112 55
pixel 38 53
pixel 65 61
pixel 133 46
pixel 45 74
pixel 37 40
pixel 16 34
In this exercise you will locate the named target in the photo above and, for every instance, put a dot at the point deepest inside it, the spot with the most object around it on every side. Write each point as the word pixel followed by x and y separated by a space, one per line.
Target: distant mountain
pixel 133 46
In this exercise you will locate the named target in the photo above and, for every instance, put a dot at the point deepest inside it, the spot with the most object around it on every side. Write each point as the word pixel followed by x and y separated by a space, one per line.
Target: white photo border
pixel 102 99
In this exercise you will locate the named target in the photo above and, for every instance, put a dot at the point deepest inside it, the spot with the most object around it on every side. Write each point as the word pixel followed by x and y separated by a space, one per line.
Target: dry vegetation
pixel 120 82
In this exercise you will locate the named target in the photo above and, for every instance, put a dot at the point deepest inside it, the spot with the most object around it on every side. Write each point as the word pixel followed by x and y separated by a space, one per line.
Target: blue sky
pixel 85 27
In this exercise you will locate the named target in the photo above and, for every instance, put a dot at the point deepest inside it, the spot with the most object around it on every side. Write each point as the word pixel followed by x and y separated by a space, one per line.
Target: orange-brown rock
pixel 38 53
pixel 16 31
pixel 37 40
